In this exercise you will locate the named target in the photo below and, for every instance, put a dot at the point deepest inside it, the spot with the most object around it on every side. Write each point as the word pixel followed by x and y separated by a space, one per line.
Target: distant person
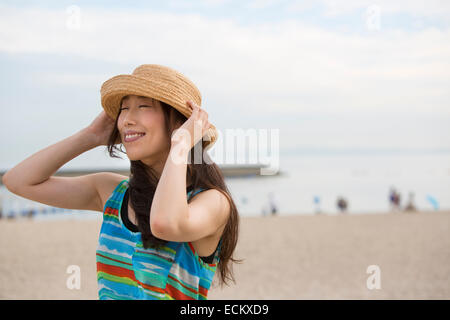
pixel 272 203
pixel 11 214
pixel 342 204
pixel 394 199
pixel 398 201
pixel 410 206
pixel 30 213
pixel 317 204
pixel 264 210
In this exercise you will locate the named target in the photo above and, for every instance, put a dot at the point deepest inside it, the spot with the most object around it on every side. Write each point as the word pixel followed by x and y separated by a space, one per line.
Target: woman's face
pixel 143 115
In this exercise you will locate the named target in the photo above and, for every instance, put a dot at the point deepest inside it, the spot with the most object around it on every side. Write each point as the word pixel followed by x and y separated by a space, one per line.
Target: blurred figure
pixel 272 203
pixel 398 201
pixel 11 214
pixel 270 207
pixel 342 204
pixel 392 195
pixel 31 213
pixel 263 211
pixel 394 199
pixel 317 204
pixel 410 206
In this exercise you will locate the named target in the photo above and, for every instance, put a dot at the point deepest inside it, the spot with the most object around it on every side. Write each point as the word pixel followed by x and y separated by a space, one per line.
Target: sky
pixel 326 76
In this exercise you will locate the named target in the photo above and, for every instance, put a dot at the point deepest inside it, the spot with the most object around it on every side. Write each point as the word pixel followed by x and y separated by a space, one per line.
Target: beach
pixel 285 257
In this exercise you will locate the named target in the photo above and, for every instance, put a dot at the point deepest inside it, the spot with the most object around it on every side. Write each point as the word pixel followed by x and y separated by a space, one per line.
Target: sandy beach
pixel 286 257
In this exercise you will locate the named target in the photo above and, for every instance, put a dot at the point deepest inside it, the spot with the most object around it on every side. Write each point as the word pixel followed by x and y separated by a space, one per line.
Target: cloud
pixel 181 4
pixel 285 64
pixel 434 8
pixel 68 79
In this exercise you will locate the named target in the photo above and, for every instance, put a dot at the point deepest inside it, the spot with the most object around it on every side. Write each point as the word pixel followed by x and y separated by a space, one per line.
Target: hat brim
pixel 114 89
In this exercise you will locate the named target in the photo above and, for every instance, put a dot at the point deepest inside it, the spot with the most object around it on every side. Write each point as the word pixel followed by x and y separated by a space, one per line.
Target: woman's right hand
pixel 101 128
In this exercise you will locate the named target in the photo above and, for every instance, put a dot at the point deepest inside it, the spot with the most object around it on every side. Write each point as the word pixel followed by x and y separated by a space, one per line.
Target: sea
pixel 309 184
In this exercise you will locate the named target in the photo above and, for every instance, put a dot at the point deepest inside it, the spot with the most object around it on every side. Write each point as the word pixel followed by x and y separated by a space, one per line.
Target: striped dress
pixel 126 270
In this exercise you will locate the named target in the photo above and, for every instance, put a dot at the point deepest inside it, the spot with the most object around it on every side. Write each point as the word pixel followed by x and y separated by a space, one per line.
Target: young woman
pixel 173 222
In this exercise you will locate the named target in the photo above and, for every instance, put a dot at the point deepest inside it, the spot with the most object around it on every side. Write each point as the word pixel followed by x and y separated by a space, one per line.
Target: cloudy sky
pixel 331 76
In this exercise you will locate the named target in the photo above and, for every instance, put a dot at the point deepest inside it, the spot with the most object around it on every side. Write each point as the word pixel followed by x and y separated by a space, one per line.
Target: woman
pixel 172 223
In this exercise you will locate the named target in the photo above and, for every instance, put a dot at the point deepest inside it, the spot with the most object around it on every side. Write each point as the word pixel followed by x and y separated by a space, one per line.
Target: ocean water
pixel 308 183
pixel 363 180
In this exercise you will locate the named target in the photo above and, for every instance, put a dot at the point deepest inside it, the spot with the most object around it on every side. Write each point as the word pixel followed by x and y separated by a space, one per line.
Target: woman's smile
pixel 133 137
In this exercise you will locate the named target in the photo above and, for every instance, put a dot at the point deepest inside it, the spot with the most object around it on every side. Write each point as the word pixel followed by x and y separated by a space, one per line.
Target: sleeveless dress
pixel 126 270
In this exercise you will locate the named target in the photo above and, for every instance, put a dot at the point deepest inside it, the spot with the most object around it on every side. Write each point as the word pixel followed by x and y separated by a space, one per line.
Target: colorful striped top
pixel 126 270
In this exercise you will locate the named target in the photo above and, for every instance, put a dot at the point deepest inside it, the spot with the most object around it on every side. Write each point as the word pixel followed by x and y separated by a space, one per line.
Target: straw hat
pixel 158 82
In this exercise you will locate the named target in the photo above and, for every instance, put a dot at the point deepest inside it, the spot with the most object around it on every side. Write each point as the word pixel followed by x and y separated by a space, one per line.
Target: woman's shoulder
pixel 213 198
pixel 107 182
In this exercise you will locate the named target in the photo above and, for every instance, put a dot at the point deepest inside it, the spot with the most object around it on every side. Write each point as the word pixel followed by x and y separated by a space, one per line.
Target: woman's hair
pixel 207 175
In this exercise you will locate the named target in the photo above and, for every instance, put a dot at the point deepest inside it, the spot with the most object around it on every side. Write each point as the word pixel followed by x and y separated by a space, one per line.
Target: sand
pixel 286 257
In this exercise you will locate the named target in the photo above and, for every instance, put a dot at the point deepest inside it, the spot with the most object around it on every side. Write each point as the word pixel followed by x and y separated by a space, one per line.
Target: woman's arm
pixel 32 178
pixel 172 218
pixel 169 205
pixel 41 165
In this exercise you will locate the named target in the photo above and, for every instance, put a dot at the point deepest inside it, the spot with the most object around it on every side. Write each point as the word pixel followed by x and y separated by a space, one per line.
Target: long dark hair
pixel 143 181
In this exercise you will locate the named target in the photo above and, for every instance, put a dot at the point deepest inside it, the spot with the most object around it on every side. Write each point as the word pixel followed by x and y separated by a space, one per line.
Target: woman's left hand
pixel 193 129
